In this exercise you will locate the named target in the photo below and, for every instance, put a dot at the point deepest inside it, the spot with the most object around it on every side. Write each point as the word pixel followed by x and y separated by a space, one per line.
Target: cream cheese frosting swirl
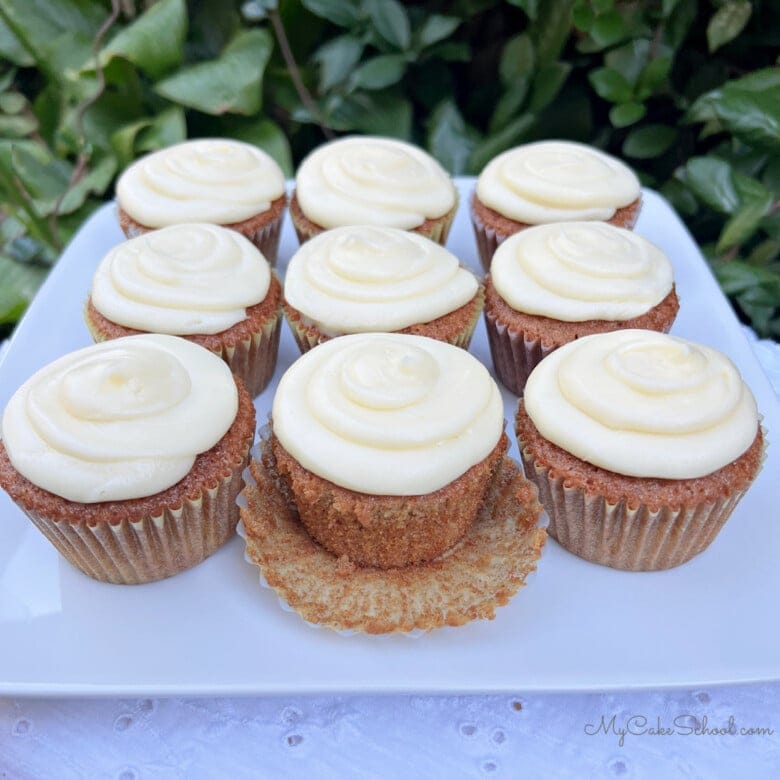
pixel 119 420
pixel 181 280
pixel 556 181
pixel 643 404
pixel 359 279
pixel 388 414
pixel 372 181
pixel 578 271
pixel 209 180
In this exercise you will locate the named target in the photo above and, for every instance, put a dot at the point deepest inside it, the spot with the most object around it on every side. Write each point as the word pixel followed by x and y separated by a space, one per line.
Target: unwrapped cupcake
pixel 203 282
pixel 641 446
pixel 550 181
pixel 366 180
pixel 552 284
pixel 383 499
pixel 371 279
pixel 128 456
pixel 215 180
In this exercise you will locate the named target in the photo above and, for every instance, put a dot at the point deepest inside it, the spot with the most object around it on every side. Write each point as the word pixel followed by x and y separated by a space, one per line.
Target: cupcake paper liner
pixel 468 582
pixel 623 537
pixel 514 354
pixel 156 547
pixel 254 359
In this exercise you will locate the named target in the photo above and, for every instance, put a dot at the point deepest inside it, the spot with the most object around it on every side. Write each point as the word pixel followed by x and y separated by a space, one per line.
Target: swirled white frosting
pixel 359 279
pixel 119 420
pixel 556 181
pixel 209 180
pixel 577 271
pixel 388 414
pixel 644 404
pixel 184 279
pixel 372 181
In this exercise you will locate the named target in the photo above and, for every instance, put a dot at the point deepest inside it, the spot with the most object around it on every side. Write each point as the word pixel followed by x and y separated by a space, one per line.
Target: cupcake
pixel 200 281
pixel 128 456
pixel 362 279
pixel 551 284
pixel 385 466
pixel 215 180
pixel 641 446
pixel 364 180
pixel 550 181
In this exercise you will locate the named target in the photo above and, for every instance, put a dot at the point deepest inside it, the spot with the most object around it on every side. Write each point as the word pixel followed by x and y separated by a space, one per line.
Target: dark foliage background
pixel 687 91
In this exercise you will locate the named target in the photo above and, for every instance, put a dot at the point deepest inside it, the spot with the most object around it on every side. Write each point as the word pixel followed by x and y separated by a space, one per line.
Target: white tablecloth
pixel 666 734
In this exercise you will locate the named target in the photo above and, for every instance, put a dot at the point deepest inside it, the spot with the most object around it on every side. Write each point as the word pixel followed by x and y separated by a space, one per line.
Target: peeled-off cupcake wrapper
pixel 514 354
pixel 615 535
pixel 254 359
pixel 468 582
pixel 131 553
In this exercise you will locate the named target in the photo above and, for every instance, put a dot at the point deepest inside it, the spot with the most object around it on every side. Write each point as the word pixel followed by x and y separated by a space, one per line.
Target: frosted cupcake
pixel 365 180
pixel 386 452
pixel 215 180
pixel 203 282
pixel 552 284
pixel 128 456
pixel 371 279
pixel 550 181
pixel 641 446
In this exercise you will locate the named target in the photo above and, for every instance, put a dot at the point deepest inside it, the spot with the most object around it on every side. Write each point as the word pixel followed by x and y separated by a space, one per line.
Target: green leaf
pixel 43 176
pixel 626 114
pixel 547 83
pixel 436 28
pixel 509 136
pixel 610 85
pixel 167 128
pixel 608 29
pixel 379 72
pixel 711 180
pixel 344 13
pixel 12 102
pixel 17 126
pixel 96 181
pixel 649 141
pixel 11 49
pixel 154 41
pixel 20 283
pixel 386 114
pixel 232 83
pixel 680 197
pixel 531 7
pixel 551 29
pixel 450 140
pixel 337 59
pixel 390 20
pixel 737 276
pixel 451 51
pixel 754 117
pixel 266 135
pixel 653 76
pixel 517 60
pixel 629 59
pixel 743 224
pixel 583 16
pixel 508 105
pixel 728 22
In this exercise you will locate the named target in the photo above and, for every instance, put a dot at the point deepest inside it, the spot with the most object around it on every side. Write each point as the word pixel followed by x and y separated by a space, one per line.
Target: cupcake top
pixel 364 180
pixel 388 414
pixel 578 271
pixel 643 404
pixel 181 280
pixel 119 420
pixel 210 180
pixel 556 181
pixel 358 278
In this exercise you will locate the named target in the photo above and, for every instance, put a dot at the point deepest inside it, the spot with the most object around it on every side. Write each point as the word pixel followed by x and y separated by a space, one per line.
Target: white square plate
pixel 214 631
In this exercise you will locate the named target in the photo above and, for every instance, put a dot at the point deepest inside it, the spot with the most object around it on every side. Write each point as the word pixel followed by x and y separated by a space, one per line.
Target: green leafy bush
pixel 687 92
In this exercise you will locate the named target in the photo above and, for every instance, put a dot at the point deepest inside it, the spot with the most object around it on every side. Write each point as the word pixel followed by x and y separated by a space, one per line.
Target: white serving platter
pixel 213 630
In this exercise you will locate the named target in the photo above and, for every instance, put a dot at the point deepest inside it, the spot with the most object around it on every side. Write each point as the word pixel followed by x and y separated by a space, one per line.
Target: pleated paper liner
pixel 468 582
pixel 621 537
pixel 308 335
pixel 435 229
pixel 131 553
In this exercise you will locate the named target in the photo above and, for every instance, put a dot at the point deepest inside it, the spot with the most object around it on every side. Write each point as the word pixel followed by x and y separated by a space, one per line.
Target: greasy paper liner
pixel 308 336
pixel 437 231
pixel 131 553
pixel 621 537
pixel 488 239
pixel 468 582
pixel 265 238
pixel 514 354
